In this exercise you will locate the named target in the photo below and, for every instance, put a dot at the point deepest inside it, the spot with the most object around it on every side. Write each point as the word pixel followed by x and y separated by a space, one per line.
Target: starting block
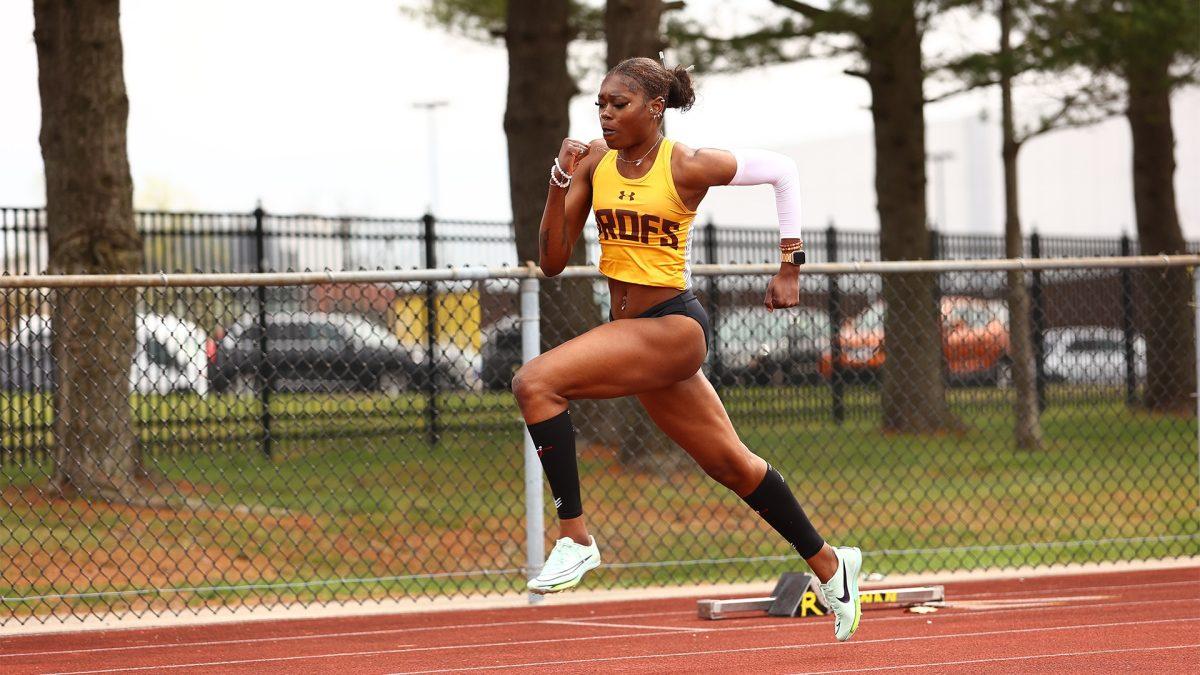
pixel 797 594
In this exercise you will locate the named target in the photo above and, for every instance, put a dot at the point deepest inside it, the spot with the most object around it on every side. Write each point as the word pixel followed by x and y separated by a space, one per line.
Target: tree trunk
pixel 632 28
pixel 1167 325
pixel 913 393
pixel 535 123
pixel 1028 429
pixel 89 212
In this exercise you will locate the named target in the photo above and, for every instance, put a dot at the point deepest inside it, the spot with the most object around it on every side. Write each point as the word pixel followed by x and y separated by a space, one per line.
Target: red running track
pixel 1126 621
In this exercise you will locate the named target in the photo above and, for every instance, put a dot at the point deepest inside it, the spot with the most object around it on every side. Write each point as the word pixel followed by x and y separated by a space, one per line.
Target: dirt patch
pixel 69 549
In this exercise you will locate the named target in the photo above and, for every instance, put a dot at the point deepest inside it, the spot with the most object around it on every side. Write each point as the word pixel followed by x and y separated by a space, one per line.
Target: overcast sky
pixel 308 106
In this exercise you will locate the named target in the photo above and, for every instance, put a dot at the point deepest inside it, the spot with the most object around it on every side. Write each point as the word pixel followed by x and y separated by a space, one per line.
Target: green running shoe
pixel 566 566
pixel 841 592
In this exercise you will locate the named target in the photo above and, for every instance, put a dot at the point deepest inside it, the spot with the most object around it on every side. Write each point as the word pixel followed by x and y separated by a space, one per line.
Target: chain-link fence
pixel 174 444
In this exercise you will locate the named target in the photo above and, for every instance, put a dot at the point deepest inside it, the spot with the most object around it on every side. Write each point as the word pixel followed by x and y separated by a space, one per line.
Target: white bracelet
pixel 560 182
pixel 560 170
pixel 555 181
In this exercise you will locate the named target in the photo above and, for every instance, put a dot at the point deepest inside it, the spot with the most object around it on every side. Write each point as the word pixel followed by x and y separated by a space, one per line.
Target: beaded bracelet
pixel 560 182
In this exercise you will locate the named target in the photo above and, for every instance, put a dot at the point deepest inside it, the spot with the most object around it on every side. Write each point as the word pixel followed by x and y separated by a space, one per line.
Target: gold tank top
pixel 645 230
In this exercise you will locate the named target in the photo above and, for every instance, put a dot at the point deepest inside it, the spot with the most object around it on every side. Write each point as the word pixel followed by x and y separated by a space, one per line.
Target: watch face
pixel 797 257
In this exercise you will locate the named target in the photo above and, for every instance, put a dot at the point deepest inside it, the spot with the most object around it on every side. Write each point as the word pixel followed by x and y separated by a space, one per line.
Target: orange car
pixel 974 342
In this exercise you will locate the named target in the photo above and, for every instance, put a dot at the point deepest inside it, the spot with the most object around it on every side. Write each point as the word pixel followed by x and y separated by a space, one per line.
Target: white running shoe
pixel 841 592
pixel 565 566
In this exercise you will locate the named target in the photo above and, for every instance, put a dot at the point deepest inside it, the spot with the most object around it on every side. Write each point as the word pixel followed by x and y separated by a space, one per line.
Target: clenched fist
pixel 571 154
pixel 783 290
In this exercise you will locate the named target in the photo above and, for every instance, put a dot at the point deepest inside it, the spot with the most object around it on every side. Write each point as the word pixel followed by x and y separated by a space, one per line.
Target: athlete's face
pixel 626 117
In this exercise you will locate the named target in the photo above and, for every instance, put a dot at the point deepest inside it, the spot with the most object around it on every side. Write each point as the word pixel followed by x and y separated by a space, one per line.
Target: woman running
pixel 644 190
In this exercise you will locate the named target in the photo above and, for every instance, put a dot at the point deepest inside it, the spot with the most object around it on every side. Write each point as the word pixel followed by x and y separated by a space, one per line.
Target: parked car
pixel 170 356
pixel 457 366
pixel 974 342
pixel 500 353
pixel 752 346
pixel 1091 355
pixel 318 352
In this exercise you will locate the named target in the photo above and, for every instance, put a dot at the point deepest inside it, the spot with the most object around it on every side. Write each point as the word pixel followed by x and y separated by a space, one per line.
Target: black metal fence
pixel 262 242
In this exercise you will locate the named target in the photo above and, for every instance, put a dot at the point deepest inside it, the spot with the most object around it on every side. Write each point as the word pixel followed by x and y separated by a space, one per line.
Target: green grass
pixel 415 519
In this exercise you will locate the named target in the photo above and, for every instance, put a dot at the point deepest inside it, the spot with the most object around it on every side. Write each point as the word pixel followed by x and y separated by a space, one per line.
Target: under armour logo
pixel 622 195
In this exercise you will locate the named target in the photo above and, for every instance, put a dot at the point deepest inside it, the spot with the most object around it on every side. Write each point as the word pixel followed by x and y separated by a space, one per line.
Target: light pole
pixel 939 158
pixel 430 108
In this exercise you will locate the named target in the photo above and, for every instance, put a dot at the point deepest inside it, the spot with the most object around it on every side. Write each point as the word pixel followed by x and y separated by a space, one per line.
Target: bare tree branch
pixel 1080 109
pixel 829 20
pixel 979 84
pixel 785 42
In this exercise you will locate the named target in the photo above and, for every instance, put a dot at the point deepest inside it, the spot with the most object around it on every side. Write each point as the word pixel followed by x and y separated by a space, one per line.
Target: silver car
pixel 1091 355
pixel 754 346
pixel 171 355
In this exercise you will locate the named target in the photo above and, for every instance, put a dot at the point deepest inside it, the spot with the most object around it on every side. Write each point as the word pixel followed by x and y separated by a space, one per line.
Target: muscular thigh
pixel 692 415
pixel 620 358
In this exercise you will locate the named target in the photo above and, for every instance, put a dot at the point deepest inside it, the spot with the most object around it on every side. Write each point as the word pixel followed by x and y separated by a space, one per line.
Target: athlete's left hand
pixel 783 290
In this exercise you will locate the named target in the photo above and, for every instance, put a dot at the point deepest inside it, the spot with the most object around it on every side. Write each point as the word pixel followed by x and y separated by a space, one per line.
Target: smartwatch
pixel 793 257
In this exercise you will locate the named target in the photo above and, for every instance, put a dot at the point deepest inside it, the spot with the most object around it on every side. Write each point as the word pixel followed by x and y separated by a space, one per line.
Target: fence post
pixel 1196 319
pixel 531 338
pixel 432 426
pixel 264 377
pixel 1127 324
pixel 935 253
pixel 837 384
pixel 1037 308
pixel 714 303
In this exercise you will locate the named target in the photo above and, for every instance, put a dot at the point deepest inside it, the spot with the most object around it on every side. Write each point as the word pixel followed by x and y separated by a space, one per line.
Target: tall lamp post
pixel 432 413
pixel 430 108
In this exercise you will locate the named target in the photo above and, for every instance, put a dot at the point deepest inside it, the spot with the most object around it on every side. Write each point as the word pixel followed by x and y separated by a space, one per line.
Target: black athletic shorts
pixel 685 304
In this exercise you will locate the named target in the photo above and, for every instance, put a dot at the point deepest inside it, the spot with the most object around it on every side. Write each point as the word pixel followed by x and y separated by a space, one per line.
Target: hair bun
pixel 680 93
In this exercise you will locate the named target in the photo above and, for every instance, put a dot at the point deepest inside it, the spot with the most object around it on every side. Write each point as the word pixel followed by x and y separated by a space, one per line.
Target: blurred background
pixel 312 107
pixel 172 449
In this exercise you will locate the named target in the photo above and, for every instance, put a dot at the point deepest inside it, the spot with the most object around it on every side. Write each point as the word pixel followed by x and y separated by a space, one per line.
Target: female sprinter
pixel 644 190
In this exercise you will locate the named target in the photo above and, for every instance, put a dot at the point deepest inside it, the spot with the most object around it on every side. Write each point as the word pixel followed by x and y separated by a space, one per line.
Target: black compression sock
pixel 555 442
pixel 778 506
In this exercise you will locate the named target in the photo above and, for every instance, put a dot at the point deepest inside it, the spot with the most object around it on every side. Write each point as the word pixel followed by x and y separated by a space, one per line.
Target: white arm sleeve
pixel 756 167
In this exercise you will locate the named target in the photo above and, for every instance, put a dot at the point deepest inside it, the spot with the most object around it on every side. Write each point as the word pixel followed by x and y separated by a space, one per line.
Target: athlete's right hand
pixel 571 154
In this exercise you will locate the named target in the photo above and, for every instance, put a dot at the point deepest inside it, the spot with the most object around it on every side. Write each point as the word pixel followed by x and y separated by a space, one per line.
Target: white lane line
pixel 779 623
pixel 673 629
pixel 1068 589
pixel 356 633
pixel 839 645
pixel 202 643
pixel 520 622
pixel 519 643
pixel 1003 658
pixel 1022 603
pixel 365 653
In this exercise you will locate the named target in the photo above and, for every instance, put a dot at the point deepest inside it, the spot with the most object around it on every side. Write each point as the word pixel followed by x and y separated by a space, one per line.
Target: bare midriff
pixel 630 300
